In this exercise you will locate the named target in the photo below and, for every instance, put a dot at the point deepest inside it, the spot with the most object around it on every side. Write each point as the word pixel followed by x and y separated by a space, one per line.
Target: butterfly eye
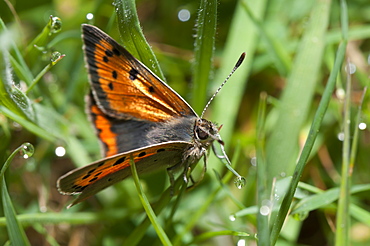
pixel 202 135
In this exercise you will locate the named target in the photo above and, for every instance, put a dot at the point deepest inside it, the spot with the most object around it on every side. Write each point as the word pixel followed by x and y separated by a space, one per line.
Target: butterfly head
pixel 206 132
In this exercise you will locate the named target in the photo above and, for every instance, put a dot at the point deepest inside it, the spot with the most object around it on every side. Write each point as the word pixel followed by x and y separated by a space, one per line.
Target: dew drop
pixel 241 242
pixel 183 15
pixel 266 207
pixel 254 161
pixel 341 136
pixel 27 150
pixel 56 25
pixel 43 209
pixel 90 16
pixel 60 151
pixel 265 210
pixel 362 126
pixel 276 197
pixel 240 182
pixel 55 56
pixel 340 93
pixel 232 217
pixel 17 126
pixel 350 68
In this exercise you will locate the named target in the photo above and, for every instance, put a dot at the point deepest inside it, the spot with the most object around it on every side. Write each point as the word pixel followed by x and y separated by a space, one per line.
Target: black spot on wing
pixel 133 74
pixel 105 59
pixel 78 188
pixel 119 161
pixel 116 52
pixel 97 175
pixel 142 154
pixel 109 53
pixel 93 179
pixel 114 74
pixel 110 85
pixel 91 171
pixel 86 176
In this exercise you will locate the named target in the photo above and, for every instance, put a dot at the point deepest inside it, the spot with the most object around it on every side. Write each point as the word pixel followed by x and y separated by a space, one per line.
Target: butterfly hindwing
pixel 123 87
pixel 93 178
pixel 116 135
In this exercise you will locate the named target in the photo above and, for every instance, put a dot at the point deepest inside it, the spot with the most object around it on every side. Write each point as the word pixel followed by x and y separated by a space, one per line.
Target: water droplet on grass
pixel 240 182
pixel 27 150
pixel 56 25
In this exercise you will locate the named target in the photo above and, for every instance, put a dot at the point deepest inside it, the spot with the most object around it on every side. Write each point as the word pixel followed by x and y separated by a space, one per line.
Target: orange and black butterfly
pixel 137 117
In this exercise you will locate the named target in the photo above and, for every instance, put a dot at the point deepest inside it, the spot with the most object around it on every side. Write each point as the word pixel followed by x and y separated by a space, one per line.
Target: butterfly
pixel 137 117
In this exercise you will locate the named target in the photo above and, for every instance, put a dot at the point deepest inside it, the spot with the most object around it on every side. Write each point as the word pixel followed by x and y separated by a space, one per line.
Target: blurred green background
pixel 290 47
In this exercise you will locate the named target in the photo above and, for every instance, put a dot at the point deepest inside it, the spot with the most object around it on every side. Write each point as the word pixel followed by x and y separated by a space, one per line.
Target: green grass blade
pixel 343 222
pixel 148 209
pixel 263 193
pixel 355 139
pixel 53 26
pixel 203 52
pixel 275 48
pixel 324 198
pixel 15 230
pixel 282 147
pixel 54 61
pixel 15 104
pixel 163 201
pixel 309 142
pixel 133 37
pixel 11 96
pixel 37 130
pixel 360 214
pixel 26 73
pixel 343 219
pixel 70 217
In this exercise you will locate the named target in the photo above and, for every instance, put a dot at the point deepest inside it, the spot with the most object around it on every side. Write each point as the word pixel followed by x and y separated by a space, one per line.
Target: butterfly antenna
pixel 238 63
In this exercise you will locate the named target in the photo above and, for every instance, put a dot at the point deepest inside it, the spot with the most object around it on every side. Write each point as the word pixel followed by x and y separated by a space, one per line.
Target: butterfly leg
pixel 171 174
pixel 205 160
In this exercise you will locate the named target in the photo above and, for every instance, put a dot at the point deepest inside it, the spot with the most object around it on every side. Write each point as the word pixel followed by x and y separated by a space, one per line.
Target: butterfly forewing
pixel 123 87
